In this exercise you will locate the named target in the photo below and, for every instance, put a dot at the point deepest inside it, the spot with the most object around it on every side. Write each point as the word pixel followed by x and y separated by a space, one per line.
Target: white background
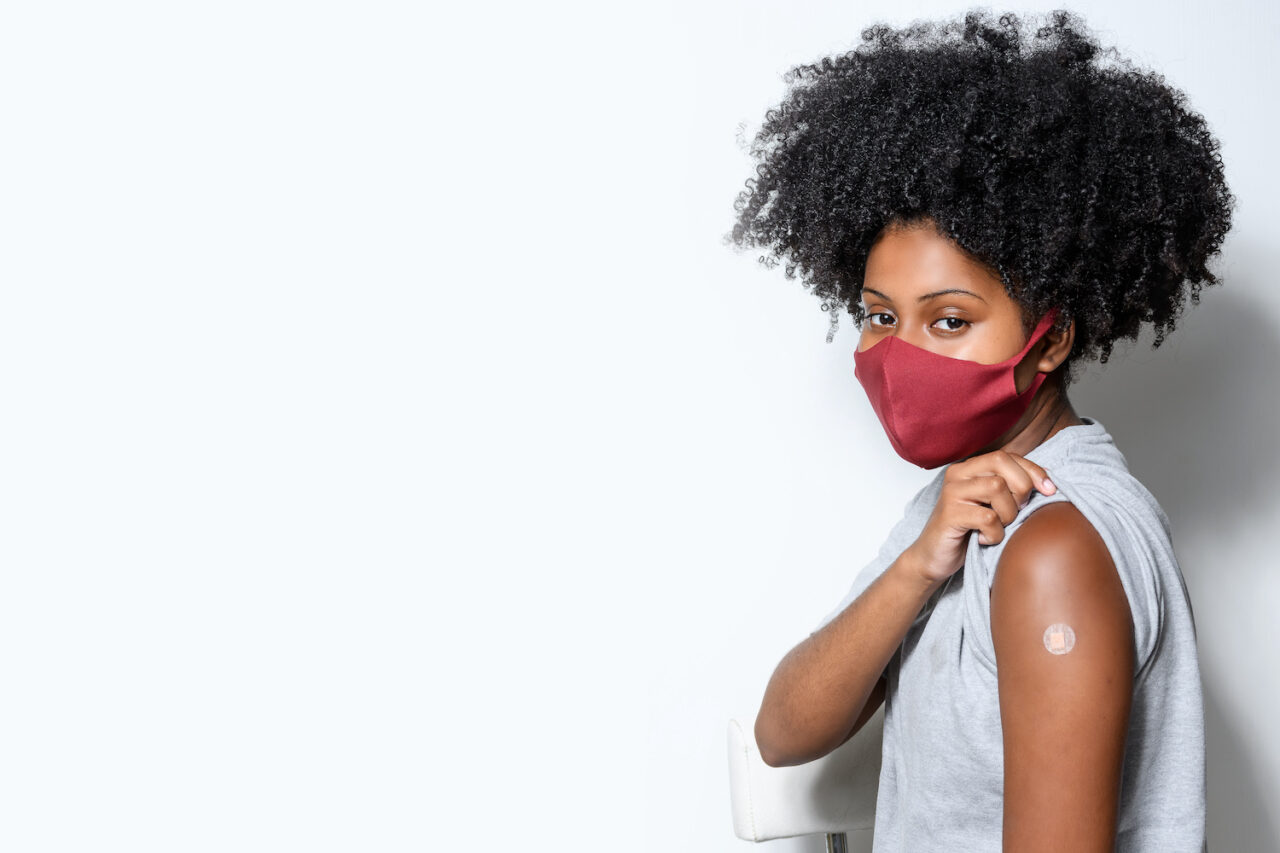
pixel 395 459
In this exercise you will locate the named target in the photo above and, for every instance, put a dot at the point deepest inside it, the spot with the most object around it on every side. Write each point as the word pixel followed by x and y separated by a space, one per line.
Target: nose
pixel 866 342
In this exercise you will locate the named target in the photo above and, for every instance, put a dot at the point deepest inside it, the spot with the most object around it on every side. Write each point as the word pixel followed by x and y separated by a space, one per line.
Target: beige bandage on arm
pixel 1059 638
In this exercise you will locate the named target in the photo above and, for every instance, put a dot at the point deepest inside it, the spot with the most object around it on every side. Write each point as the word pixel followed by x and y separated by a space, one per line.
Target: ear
pixel 1055 346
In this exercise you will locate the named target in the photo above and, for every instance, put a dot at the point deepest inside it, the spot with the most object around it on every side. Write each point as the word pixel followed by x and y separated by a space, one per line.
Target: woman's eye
pixel 875 318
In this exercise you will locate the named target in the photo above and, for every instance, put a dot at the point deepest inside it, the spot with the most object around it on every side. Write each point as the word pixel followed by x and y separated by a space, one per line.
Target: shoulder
pixel 1101 539
pixel 1057 542
pixel 1056 570
pixel 1056 563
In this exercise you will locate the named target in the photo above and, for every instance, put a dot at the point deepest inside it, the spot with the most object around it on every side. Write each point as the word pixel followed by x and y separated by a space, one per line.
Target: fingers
pixel 985 521
pixel 995 486
pixel 988 506
pixel 1020 474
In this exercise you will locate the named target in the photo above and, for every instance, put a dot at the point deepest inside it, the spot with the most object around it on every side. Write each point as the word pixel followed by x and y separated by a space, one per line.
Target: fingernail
pixel 1049 486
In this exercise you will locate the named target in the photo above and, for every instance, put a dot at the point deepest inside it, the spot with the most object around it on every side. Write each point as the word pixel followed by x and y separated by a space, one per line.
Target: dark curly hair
pixel 1088 186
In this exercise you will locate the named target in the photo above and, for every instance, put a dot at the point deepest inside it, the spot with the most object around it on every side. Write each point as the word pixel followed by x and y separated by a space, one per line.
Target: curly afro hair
pixel 1088 186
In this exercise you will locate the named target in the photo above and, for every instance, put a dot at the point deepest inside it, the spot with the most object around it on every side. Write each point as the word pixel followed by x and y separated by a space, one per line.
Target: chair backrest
pixel 831 795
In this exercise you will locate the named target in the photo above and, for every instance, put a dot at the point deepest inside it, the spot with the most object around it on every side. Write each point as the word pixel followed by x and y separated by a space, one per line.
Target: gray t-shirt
pixel 942 776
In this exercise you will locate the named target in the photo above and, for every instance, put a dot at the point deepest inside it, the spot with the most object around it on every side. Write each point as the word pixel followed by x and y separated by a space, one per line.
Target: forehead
pixel 906 263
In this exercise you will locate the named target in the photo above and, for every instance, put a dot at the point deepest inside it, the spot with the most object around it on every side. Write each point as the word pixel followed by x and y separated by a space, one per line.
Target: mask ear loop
pixel 1046 323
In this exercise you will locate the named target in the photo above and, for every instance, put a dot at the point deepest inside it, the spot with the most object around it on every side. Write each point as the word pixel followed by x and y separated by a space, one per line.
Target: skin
pixel 1064 717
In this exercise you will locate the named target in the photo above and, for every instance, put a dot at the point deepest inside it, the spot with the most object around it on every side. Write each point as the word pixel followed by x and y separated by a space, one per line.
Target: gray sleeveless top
pixel 942 777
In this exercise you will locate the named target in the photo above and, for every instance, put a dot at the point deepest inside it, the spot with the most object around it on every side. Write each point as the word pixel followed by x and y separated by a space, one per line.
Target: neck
pixel 1048 413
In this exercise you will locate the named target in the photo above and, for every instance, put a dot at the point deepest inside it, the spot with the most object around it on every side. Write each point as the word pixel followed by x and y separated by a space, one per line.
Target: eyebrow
pixel 927 296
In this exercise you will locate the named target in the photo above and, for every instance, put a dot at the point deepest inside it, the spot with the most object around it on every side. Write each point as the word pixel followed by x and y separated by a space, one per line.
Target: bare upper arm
pixel 1064 699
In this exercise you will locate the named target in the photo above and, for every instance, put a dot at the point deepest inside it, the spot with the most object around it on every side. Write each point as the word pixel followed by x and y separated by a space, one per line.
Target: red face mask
pixel 937 409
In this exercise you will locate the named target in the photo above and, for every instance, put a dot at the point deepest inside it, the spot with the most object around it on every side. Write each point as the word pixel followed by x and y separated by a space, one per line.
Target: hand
pixel 982 493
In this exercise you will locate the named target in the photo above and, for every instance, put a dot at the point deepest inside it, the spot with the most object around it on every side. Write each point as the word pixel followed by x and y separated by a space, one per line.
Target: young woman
pixel 994 208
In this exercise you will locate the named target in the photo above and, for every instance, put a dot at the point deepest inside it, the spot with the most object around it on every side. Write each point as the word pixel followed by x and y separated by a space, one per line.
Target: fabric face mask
pixel 937 409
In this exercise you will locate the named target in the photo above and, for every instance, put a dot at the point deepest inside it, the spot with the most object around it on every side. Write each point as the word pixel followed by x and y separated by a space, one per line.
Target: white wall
pixel 396 460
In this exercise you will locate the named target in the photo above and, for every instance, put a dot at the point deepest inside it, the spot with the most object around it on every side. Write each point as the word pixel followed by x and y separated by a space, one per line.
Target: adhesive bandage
pixel 1059 638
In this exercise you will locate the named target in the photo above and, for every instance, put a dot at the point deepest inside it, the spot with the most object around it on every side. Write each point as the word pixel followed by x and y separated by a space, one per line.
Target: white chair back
pixel 833 796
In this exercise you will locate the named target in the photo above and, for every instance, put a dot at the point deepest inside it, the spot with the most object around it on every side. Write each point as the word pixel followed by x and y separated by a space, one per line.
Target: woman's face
pixel 922 288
